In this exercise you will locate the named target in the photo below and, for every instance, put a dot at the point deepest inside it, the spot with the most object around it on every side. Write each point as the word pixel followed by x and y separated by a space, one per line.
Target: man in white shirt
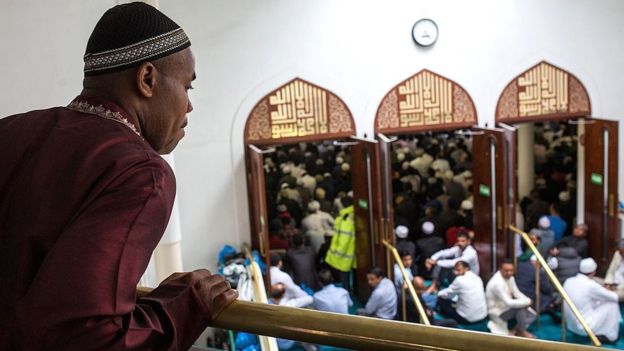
pixel 292 290
pixel 471 305
pixel 317 224
pixel 614 280
pixel 598 305
pixel 506 302
pixel 446 259
pixel 383 301
pixel 331 298
pixel 278 297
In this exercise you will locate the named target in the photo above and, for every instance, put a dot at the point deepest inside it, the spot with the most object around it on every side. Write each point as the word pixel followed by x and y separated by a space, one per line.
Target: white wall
pixel 357 49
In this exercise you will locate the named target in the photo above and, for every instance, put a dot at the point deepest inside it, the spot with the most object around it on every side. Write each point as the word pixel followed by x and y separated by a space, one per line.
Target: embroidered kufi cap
pixel 130 34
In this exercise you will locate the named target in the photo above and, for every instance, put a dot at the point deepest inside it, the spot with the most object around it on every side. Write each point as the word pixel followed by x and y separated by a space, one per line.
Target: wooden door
pixel 258 214
pixel 365 172
pixel 511 174
pixel 491 198
pixel 601 188
pixel 387 204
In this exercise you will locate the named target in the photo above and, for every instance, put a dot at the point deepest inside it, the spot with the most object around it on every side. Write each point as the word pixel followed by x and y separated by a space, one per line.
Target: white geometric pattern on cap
pixel 135 52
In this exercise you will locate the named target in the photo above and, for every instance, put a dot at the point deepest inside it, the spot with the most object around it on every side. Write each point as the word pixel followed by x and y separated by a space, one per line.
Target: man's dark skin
pixel 156 93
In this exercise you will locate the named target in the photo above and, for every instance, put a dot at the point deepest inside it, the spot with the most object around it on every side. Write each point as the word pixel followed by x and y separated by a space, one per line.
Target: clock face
pixel 425 32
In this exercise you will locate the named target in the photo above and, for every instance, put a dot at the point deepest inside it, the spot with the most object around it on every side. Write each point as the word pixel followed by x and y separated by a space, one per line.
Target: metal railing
pixel 266 343
pixel 366 333
pixel 424 319
pixel 555 282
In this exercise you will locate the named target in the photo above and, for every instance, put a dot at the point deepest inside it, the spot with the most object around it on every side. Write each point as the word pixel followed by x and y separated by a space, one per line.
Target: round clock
pixel 425 32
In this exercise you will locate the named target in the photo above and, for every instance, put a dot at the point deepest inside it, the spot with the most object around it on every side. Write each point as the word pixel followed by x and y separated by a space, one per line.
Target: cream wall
pixel 357 49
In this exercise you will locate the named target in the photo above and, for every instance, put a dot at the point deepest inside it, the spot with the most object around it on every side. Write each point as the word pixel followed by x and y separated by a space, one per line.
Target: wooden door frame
pixel 602 250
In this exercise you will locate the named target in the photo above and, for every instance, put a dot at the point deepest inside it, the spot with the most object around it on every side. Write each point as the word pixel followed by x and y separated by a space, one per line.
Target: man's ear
pixel 146 79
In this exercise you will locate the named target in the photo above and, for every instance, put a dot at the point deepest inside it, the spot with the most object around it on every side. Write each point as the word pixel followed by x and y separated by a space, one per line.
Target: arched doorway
pixel 547 94
pixel 425 105
pixel 301 112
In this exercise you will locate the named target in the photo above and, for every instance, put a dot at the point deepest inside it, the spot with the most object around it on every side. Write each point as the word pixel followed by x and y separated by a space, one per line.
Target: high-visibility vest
pixel 341 253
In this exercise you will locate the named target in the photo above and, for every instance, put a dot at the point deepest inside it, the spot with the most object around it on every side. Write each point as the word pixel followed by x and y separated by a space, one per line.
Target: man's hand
pixel 214 290
pixel 429 263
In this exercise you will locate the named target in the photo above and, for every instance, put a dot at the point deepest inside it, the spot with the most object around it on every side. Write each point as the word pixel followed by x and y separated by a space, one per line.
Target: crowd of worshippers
pixel 457 295
pixel 306 186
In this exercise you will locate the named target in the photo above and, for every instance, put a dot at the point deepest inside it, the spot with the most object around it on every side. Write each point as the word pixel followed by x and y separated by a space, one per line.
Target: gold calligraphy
pixel 425 99
pixel 298 109
pixel 543 90
pixel 422 101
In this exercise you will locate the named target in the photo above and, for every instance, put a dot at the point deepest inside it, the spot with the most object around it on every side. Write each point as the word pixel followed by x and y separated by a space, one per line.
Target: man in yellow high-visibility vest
pixel 341 254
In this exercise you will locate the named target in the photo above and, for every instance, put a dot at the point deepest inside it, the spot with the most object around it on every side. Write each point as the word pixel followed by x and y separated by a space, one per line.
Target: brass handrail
pixel 365 333
pixel 555 282
pixel 266 343
pixel 421 311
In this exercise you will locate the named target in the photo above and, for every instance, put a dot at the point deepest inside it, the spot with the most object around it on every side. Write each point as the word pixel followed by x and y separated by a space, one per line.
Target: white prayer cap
pixel 282 208
pixel 326 174
pixel 345 167
pixel 286 170
pixel 405 165
pixel 428 228
pixel 588 265
pixel 564 196
pixel 400 156
pixel 319 162
pixel 466 205
pixel 449 175
pixel 419 151
pixel 339 160
pixel 350 193
pixel 314 206
pixel 533 258
pixel 284 186
pixel 401 232
pixel 544 222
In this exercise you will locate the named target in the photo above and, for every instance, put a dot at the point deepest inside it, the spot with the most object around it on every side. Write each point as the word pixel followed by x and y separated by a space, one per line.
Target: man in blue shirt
pixel 331 298
pixel 383 301
pixel 557 224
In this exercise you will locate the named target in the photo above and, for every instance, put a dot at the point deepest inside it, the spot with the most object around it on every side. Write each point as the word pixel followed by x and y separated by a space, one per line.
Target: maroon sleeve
pixel 84 294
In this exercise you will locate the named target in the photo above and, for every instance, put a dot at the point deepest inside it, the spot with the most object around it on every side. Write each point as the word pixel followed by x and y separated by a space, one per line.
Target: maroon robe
pixel 84 201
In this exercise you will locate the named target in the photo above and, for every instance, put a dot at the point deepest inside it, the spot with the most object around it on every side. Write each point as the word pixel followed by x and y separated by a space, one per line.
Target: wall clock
pixel 425 32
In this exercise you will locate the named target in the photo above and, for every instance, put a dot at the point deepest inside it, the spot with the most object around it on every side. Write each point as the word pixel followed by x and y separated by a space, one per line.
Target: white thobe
pixel 597 304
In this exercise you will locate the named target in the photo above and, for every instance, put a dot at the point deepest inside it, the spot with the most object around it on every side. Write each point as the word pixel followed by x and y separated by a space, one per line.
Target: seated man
pixel 292 290
pixel 278 297
pixel 443 261
pixel 578 240
pixel 564 262
pixel 471 306
pixel 525 279
pixel 506 302
pixel 598 305
pixel 410 268
pixel 383 301
pixel 614 280
pixel 427 246
pixel 331 298
pixel 302 261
